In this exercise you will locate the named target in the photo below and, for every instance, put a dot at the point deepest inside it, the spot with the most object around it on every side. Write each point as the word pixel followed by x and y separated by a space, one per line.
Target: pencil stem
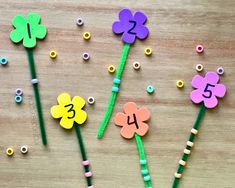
pixel 37 96
pixel 115 90
pixel 189 146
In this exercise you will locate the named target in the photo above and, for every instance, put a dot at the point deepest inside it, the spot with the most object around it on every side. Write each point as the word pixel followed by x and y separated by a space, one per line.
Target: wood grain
pixel 176 27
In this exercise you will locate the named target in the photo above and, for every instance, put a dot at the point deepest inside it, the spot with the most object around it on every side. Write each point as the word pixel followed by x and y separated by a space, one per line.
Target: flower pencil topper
pixel 205 91
pixel 29 30
pixel 133 124
pixel 71 114
pixel 131 27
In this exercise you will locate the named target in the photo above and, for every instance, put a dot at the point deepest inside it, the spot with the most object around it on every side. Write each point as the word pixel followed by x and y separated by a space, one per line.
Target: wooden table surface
pixel 176 27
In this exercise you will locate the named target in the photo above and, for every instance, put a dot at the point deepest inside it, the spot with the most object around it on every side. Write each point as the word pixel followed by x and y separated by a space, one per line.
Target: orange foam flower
pixel 132 120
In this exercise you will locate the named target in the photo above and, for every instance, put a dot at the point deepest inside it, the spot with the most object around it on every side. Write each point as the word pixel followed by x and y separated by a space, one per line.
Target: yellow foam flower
pixel 69 111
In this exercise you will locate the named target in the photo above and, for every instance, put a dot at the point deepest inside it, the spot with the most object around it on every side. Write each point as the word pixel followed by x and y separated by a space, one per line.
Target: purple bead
pixel 131 26
pixel 19 92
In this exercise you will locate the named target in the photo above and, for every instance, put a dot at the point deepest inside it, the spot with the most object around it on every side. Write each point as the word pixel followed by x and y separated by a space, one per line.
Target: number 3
pixel 70 110
pixel 207 90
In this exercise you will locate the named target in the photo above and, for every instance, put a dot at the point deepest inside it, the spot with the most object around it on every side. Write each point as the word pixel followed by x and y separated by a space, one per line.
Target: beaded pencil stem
pixel 143 162
pixel 115 90
pixel 37 95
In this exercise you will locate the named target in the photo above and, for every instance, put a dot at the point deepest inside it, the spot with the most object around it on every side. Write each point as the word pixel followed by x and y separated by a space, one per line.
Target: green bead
pixel 150 89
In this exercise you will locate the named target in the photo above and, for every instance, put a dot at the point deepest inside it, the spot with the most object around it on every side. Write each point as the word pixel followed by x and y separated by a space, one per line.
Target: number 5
pixel 207 90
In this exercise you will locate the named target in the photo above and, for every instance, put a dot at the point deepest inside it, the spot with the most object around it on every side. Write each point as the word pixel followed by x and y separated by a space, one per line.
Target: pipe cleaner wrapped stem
pixel 133 124
pixel 206 90
pixel 131 27
pixel 29 30
pixel 71 114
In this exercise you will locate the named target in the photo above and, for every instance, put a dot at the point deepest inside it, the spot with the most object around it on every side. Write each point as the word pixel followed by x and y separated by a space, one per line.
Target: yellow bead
pixel 53 54
pixel 180 83
pixel 111 68
pixel 9 151
pixel 86 35
pixel 148 51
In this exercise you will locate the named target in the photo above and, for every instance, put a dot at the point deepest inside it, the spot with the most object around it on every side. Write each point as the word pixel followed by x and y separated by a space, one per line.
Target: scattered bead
pixel 144 172
pixel 147 178
pixel 91 186
pixel 189 143
pixel 182 162
pixel 180 83
pixel 199 48
pixel 24 149
pixel 34 81
pixel 115 89
pixel 116 81
pixel 91 100
pixel 143 162
pixel 199 67
pixel 53 54
pixel 86 35
pixel 85 163
pixel 194 131
pixel 148 51
pixel 86 56
pixel 186 151
pixel 3 60
pixel 18 99
pixel 136 65
pixel 150 89
pixel 79 22
pixel 111 68
pixel 220 70
pixel 88 174
pixel 178 175
pixel 9 151
pixel 19 92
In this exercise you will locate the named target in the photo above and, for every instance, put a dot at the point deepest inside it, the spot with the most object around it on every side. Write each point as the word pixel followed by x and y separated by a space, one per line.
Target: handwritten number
pixel 207 90
pixel 70 110
pixel 28 29
pixel 130 31
pixel 133 122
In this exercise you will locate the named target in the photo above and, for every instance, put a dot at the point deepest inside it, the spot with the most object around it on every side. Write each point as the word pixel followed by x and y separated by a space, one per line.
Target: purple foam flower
pixel 131 26
pixel 207 89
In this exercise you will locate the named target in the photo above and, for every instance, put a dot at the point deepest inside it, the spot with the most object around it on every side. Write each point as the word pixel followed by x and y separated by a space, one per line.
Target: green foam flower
pixel 27 30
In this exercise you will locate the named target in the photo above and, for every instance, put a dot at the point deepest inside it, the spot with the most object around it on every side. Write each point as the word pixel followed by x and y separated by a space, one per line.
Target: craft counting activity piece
pixel 133 124
pixel 29 29
pixel 71 115
pixel 206 90
pixel 131 27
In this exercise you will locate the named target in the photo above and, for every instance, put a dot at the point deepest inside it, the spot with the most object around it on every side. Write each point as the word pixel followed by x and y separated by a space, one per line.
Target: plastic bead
pixel 3 60
pixel 85 163
pixel 34 81
pixel 186 151
pixel 178 175
pixel 199 48
pixel 143 162
pixel 148 51
pixel 147 178
pixel 79 22
pixel 199 67
pixel 220 70
pixel 189 143
pixel 9 151
pixel 18 99
pixel 111 68
pixel 116 81
pixel 88 174
pixel 144 172
pixel 136 65
pixel 115 89
pixel 19 92
pixel 194 131
pixel 91 100
pixel 91 186
pixel 24 149
pixel 86 56
pixel 53 54
pixel 180 83
pixel 182 162
pixel 86 35
pixel 150 89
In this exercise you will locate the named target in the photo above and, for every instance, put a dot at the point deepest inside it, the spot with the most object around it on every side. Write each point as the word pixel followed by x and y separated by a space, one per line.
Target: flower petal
pixel 118 27
pixel 219 90
pixel 40 31
pixel 140 17
pixel 80 116
pixel 33 19
pixel 196 96
pixel 57 111
pixel 211 102
pixel 120 119
pixel 29 42
pixel 143 129
pixel 64 99
pixel 66 123
pixel 130 108
pixel 143 114
pixel 141 32
pixel 128 38
pixel 125 15
pixel 128 131
pixel 17 35
pixel 198 82
pixel 212 78
pixel 78 102
pixel 19 21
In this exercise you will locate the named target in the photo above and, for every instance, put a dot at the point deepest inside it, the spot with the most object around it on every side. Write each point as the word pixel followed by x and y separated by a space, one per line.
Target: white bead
pixel 178 175
pixel 24 149
pixel 34 81
pixel 189 143
pixel 194 131
pixel 183 163
pixel 186 151
pixel 199 67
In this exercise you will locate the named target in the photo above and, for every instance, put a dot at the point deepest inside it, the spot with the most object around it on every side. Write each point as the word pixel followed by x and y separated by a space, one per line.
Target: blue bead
pixel 18 99
pixel 116 81
pixel 150 89
pixel 3 60
pixel 147 178
pixel 144 172
pixel 115 89
pixel 143 162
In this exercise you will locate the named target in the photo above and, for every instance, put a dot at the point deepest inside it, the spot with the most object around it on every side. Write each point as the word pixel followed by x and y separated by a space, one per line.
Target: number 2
pixel 207 90
pixel 133 122
pixel 70 110
pixel 130 31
